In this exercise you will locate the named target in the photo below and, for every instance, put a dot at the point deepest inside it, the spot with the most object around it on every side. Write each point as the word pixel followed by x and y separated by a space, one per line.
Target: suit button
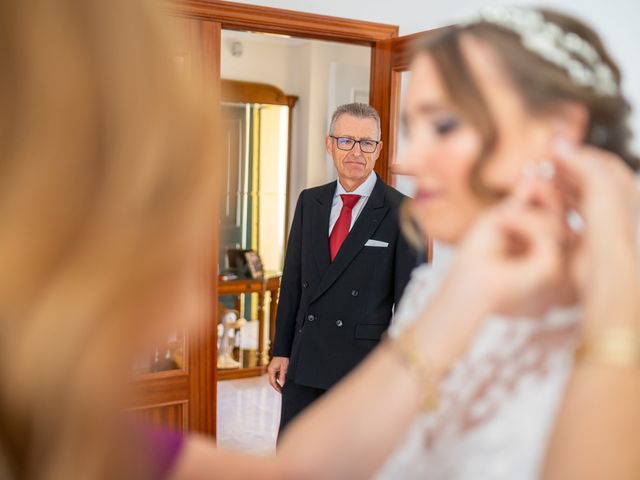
pixel 311 318
pixel 354 293
pixel 339 323
pixel 305 284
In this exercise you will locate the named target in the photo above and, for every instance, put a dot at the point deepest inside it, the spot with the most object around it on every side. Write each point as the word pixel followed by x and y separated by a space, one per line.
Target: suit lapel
pixel 366 224
pixel 320 226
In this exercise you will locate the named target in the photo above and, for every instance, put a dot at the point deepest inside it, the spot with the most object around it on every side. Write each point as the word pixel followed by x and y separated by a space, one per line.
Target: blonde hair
pixel 540 83
pixel 105 186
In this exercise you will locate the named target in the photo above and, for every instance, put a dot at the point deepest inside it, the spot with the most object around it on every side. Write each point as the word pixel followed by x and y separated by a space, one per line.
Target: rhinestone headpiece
pixel 553 44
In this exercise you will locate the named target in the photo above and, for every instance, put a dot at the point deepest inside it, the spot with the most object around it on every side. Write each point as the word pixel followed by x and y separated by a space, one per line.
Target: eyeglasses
pixel 347 144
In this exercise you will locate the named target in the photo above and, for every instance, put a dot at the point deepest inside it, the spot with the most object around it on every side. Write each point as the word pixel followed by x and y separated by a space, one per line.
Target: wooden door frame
pixel 214 16
pixel 244 17
pixel 400 51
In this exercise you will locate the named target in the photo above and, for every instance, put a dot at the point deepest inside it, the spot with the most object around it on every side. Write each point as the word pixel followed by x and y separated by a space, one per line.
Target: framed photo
pixel 254 264
pixel 237 262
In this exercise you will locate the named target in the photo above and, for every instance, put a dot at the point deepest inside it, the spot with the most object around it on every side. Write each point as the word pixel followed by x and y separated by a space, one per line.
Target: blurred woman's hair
pixel 541 84
pixel 105 190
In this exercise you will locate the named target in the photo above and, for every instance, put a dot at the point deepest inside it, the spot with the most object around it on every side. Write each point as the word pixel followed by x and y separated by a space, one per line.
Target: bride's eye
pixel 446 125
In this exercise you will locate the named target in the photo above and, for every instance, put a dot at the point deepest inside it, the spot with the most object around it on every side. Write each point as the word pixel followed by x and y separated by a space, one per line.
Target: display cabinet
pixel 266 289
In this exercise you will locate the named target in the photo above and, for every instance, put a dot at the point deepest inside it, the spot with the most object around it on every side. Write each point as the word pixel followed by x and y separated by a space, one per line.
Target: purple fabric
pixel 165 446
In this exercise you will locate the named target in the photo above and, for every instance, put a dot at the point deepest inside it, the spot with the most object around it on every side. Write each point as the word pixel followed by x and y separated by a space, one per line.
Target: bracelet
pixel 614 346
pixel 409 352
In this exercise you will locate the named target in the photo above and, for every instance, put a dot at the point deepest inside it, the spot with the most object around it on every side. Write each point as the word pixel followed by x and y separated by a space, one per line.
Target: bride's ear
pixel 570 121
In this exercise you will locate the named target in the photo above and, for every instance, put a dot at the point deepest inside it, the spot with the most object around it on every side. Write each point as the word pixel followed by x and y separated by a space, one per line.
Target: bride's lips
pixel 424 195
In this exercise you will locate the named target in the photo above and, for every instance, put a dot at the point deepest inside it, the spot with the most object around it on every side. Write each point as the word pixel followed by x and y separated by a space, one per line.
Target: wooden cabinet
pixel 266 288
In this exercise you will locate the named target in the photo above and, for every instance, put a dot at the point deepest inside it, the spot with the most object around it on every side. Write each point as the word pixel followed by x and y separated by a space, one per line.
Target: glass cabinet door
pixel 165 356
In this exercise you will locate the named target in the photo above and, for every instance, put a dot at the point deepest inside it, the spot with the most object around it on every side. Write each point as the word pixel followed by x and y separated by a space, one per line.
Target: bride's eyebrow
pixel 425 109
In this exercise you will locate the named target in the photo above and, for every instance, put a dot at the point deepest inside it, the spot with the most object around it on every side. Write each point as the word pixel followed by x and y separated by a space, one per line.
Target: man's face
pixel 353 166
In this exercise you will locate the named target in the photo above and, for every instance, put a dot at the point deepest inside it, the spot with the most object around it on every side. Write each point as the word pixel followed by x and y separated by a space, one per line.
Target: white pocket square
pixel 376 243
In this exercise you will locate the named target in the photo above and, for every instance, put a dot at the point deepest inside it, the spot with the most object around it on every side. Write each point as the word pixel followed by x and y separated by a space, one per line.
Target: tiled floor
pixel 248 415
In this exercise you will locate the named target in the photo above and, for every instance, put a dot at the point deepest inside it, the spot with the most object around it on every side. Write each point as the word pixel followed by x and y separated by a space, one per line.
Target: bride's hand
pixel 605 260
pixel 510 261
pixel 513 257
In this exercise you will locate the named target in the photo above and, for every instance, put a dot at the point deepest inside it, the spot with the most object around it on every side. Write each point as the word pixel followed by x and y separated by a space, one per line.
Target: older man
pixel 345 268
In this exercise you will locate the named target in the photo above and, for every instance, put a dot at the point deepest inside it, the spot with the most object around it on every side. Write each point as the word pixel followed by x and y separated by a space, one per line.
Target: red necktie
pixel 341 228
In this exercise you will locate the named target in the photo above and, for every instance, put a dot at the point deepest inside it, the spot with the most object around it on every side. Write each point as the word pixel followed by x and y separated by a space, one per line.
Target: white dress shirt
pixel 363 190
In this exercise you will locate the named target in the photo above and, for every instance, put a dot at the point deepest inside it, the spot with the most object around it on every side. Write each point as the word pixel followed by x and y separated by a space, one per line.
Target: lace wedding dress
pixel 498 402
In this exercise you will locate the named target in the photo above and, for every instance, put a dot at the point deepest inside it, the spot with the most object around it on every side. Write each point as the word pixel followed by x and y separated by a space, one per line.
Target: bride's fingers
pixel 586 170
pixel 599 186
pixel 533 202
pixel 532 230
pixel 541 196
pixel 572 165
pixel 531 251
pixel 536 192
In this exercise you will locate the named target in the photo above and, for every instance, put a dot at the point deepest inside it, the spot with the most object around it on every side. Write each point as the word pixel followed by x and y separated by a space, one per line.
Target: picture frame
pixel 254 264
pixel 237 262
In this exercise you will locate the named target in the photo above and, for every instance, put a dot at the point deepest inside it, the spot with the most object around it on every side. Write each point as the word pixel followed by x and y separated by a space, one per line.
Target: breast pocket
pixel 377 251
pixel 370 331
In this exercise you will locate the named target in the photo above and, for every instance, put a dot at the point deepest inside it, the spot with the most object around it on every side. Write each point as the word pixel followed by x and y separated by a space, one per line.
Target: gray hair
pixel 358 110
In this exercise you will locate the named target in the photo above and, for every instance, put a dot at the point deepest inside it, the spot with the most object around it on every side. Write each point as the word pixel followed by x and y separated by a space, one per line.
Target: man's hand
pixel 277 372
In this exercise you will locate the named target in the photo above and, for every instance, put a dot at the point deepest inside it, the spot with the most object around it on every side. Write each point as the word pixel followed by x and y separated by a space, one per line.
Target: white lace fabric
pixel 498 402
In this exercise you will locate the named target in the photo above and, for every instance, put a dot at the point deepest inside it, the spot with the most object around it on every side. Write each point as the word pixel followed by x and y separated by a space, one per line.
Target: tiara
pixel 553 44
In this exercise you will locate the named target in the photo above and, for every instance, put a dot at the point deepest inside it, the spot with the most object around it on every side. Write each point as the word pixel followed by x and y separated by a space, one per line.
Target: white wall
pixel 617 21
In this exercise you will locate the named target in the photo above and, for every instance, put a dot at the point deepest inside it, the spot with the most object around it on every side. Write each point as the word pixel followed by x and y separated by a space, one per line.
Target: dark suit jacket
pixel 331 315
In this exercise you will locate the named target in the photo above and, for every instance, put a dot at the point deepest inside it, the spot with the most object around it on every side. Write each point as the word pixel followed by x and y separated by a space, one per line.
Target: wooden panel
pixel 238 16
pixel 394 119
pixel 155 388
pixel 172 415
pixel 203 43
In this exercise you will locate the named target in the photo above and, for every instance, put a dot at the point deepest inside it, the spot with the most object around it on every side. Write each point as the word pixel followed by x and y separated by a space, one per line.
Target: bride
pixel 492 103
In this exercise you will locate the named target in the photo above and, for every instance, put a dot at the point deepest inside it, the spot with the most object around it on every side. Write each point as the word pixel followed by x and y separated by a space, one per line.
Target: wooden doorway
pixel 186 399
